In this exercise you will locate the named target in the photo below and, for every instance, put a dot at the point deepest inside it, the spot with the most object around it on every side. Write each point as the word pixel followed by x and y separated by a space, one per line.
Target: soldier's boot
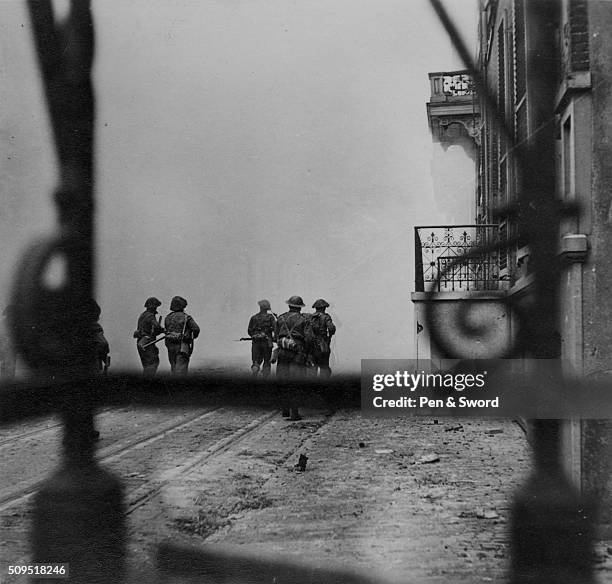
pixel 294 415
pixel 254 369
pixel 149 370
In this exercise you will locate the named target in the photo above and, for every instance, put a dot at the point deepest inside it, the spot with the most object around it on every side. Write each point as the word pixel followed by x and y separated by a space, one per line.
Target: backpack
pixel 317 324
pixel 287 342
pixel 318 332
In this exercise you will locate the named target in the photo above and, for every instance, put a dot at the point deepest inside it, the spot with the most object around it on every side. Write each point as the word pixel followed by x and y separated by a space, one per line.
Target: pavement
pixel 410 499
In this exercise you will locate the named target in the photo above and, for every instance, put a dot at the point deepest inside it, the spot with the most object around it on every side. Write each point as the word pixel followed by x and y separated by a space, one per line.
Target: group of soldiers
pixel 178 333
pixel 92 341
pixel 302 340
pixel 7 354
pixel 303 343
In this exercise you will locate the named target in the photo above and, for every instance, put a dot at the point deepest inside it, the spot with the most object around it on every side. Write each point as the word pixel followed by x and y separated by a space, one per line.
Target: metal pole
pixel 78 515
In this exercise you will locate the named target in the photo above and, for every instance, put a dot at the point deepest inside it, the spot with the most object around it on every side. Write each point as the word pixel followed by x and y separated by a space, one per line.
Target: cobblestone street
pixel 411 499
pixel 408 500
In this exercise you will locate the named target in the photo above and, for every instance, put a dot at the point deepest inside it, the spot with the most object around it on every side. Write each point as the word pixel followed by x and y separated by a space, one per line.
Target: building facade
pixel 582 123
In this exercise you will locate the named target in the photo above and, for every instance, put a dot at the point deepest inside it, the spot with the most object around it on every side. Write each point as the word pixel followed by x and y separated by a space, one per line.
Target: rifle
pixel 153 342
pixel 159 320
pixel 244 339
pixel 186 345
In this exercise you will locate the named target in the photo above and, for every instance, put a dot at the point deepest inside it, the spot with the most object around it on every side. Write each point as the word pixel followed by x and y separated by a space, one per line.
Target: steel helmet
pixel 152 302
pixel 320 303
pixel 296 301
pixel 178 303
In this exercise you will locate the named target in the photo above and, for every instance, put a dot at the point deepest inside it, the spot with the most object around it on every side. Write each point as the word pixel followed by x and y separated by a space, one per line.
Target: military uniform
pixel 320 331
pixel 146 332
pixel 96 345
pixel 291 340
pixel 261 329
pixel 7 354
pixel 101 346
pixel 181 330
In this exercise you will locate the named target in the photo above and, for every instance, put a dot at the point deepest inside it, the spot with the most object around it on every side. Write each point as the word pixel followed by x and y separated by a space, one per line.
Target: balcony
pixel 437 249
pixel 466 293
pixel 451 87
pixel 453 110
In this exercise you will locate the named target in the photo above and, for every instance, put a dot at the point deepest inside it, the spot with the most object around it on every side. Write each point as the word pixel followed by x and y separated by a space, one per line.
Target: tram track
pixel 9 440
pixel 216 439
pixel 138 497
pixel 224 479
pixel 141 495
pixel 30 434
pixel 107 454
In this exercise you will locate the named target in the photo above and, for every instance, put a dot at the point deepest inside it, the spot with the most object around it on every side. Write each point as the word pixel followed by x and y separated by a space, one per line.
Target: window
pixel 568 170
pixel 520 68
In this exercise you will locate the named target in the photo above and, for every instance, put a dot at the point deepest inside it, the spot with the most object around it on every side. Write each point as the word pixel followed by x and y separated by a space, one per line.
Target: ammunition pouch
pixel 186 348
pixel 142 341
pixel 262 338
pixel 321 345
pixel 289 344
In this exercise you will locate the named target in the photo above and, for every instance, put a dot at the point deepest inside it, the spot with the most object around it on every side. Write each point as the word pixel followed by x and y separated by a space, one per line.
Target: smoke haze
pixel 247 150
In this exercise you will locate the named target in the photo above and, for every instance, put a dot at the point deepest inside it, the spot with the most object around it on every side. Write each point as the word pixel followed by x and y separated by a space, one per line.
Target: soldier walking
pixel 181 330
pixel 261 331
pixel 7 353
pixel 291 339
pixel 322 329
pixel 95 337
pixel 146 332
pixel 100 348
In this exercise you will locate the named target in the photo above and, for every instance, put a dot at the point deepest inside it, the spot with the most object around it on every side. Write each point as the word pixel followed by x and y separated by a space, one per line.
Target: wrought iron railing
pixel 437 249
pixel 451 85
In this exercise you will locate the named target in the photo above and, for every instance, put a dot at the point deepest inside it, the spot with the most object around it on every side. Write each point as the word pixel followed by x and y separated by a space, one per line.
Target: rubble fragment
pixel 429 458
